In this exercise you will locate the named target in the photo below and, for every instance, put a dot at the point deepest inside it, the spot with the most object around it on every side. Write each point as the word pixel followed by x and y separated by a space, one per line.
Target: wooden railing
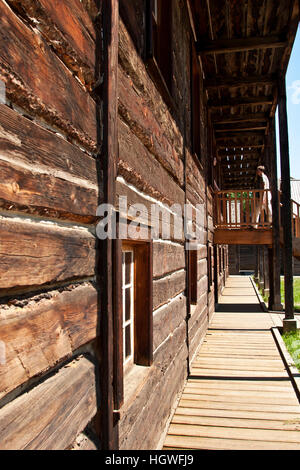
pixel 236 209
pixel 296 218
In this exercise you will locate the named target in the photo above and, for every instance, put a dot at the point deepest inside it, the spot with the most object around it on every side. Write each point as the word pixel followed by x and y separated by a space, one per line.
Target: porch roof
pixel 244 47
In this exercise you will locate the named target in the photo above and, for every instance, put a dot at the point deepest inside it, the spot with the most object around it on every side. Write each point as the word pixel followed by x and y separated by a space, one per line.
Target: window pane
pixel 128 261
pixel 127 303
pixel 127 341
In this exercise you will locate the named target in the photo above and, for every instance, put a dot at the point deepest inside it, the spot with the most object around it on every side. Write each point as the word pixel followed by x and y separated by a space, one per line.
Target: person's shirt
pixel 265 181
pixel 266 184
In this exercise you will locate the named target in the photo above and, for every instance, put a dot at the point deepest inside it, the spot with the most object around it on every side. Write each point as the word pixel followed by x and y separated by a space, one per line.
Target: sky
pixel 293 107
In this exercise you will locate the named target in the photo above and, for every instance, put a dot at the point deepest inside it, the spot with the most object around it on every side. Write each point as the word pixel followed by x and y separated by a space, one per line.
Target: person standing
pixel 264 203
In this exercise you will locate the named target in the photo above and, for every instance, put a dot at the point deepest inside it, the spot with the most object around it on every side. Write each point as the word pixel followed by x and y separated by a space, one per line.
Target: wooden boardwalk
pixel 239 395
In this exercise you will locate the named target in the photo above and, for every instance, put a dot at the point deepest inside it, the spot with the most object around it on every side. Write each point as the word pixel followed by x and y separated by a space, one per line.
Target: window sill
pixel 134 380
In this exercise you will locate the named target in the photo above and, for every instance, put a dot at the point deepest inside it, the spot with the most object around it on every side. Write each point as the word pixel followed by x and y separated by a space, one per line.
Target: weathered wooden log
pixel 46 88
pixel 38 253
pixel 25 142
pixel 68 28
pixel 43 332
pixel 51 414
pixel 145 172
pixel 143 122
pixel 167 258
pixel 41 193
pixel 168 287
pixel 167 319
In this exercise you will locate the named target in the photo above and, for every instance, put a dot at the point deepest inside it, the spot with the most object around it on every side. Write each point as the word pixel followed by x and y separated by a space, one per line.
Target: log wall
pixel 50 187
pixel 156 166
pixel 49 193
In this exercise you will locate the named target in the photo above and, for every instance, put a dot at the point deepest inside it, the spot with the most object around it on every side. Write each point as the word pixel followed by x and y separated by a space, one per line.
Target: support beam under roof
pixel 220 81
pixel 239 118
pixel 247 101
pixel 242 129
pixel 225 46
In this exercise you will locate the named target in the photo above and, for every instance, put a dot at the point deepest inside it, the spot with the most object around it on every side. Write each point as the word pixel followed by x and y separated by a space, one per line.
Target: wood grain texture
pixel 145 172
pixel 68 28
pixel 38 253
pixel 51 414
pixel 26 142
pixel 237 396
pixel 63 101
pixel 45 331
pixel 41 193
pixel 167 258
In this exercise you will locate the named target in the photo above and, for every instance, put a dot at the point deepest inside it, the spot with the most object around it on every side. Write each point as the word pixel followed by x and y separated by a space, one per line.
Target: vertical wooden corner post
pixel 289 322
pixel 274 252
pixel 105 269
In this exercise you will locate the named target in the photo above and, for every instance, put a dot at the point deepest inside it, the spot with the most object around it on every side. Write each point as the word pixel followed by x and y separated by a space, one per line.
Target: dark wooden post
pixel 261 268
pixel 107 163
pixel 266 288
pixel 289 322
pixel 256 265
pixel 274 253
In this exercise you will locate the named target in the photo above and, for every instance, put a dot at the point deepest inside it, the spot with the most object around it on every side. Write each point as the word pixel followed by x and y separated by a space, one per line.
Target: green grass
pixel 292 342
pixel 296 293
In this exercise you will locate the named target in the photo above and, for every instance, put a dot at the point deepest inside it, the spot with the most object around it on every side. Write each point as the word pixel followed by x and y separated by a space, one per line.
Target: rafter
pixel 236 82
pixel 242 128
pixel 239 118
pixel 225 46
pixel 240 145
pixel 231 103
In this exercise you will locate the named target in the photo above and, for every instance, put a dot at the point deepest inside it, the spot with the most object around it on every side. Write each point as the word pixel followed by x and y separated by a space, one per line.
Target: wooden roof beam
pixel 237 151
pixel 227 46
pixel 236 82
pixel 242 128
pixel 238 146
pixel 239 118
pixel 231 103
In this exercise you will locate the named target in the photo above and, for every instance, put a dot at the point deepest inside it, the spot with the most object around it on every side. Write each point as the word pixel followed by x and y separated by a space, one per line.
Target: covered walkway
pixel 239 395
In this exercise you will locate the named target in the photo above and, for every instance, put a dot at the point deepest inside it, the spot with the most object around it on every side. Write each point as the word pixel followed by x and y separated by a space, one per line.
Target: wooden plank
pixel 239 433
pixel 52 413
pixel 228 46
pixel 63 102
pixel 68 28
pixel 220 391
pixel 38 253
pixel 235 385
pixel 242 237
pixel 261 407
pixel 286 418
pixel 191 442
pixel 242 362
pixel 240 398
pixel 47 330
pixel 292 425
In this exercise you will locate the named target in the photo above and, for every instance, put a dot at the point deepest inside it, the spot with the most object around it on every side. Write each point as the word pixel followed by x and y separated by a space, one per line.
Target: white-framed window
pixel 128 304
